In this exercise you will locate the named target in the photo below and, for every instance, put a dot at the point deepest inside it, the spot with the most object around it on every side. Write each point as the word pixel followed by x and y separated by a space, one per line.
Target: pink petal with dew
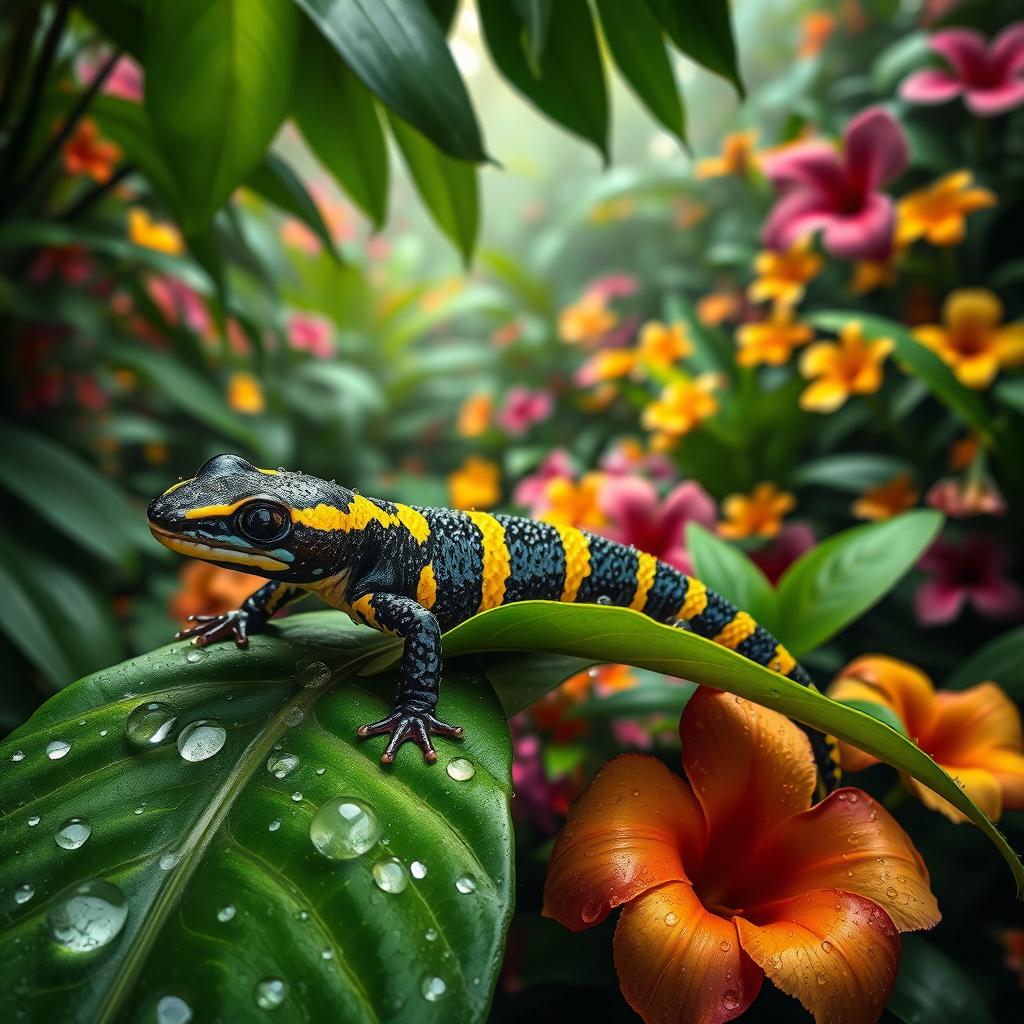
pixel 930 86
pixel 876 149
pixel 992 102
pixel 964 49
pixel 938 602
pixel 865 235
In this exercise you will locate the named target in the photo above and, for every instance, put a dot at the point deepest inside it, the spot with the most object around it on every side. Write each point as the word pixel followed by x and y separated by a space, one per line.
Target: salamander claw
pixel 211 628
pixel 409 726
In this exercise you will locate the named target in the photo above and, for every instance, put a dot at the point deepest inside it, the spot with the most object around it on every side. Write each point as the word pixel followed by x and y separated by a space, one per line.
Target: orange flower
pixel 871 274
pixel 773 340
pixel 150 234
pixel 475 415
pixel 964 452
pixel 605 365
pixel 974 734
pixel 817 27
pixel 688 213
pixel 783 276
pixel 972 343
pixel 939 212
pixel 475 484
pixel 245 394
pixel 759 515
pixel 888 499
pixel 86 153
pixel 573 503
pixel 682 406
pixel 716 308
pixel 731 875
pixel 207 589
pixel 851 367
pixel 661 345
pixel 738 157
pixel 587 321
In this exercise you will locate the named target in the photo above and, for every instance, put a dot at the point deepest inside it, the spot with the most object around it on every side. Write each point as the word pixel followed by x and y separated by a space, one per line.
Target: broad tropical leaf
pixel 204 833
pixel 931 988
pixel 999 661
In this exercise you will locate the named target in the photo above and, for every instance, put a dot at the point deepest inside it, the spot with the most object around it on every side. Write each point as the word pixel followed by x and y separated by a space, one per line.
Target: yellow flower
pixel 475 484
pixel 441 294
pixel 783 276
pixel 245 394
pixel 151 234
pixel 683 404
pixel 662 345
pixel 737 157
pixel 586 321
pixel 773 340
pixel 475 415
pixel 605 365
pixel 759 514
pixel 851 367
pixel 939 212
pixel 574 503
pixel 716 308
pixel 871 274
pixel 972 343
pixel 888 499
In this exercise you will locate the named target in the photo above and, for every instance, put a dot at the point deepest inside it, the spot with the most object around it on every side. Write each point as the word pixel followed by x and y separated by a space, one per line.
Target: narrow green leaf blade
pixel 397 49
pixel 841 578
pixel 635 39
pixel 448 187
pixel 218 82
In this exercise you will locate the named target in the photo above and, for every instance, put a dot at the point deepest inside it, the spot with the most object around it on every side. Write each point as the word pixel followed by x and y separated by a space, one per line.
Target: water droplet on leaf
pixel 270 993
pixel 461 769
pixel 344 828
pixel 201 740
pixel 150 724
pixel 56 749
pixel 418 869
pixel 24 893
pixel 225 913
pixel 390 875
pixel 87 915
pixel 465 884
pixel 433 988
pixel 73 834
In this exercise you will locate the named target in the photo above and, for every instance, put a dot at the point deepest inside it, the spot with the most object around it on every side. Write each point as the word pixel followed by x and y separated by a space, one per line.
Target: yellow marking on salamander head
pixel 359 514
pixel 205 511
pixel 174 487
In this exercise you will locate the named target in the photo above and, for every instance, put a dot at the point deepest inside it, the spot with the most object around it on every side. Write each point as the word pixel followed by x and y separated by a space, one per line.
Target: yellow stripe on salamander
pixel 496 565
pixel 426 588
pixel 577 560
pixel 215 510
pixel 782 661
pixel 360 513
pixel 647 566
pixel 732 635
pixel 696 599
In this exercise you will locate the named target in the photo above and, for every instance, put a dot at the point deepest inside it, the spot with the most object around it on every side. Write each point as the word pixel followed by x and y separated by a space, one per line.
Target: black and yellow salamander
pixel 417 572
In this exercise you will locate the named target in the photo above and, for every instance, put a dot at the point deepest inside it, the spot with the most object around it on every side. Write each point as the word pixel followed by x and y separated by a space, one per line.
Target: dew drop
pixel 296 797
pixel 461 769
pixel 73 834
pixel 327 953
pixel 827 946
pixel 18 755
pixel 87 915
pixel 138 810
pixel 430 934
pixel 725 945
pixel 604 599
pixel 274 825
pixel 56 749
pixel 173 1010
pixel 169 860
pixel 270 993
pixel 820 978
pixel 150 724
pixel 201 740
pixel 320 771
pixel 103 732
pixel 282 765
pixel 194 655
pixel 24 893
pixel 302 915
pixel 294 715
pixel 313 675
pixel 418 869
pixel 390 875
pixel 226 913
pixel 465 884
pixel 891 892
pixel 671 918
pixel 730 999
pixel 33 821
pixel 344 828
pixel 433 988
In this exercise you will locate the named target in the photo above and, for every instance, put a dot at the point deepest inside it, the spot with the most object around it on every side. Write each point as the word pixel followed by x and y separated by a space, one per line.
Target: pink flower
pixel 639 518
pixel 177 301
pixel 962 499
pixel 523 408
pixel 123 82
pixel 775 558
pixel 974 572
pixel 626 458
pixel 988 77
pixel 839 194
pixel 530 491
pixel 542 800
pixel 310 333
pixel 613 286
pixel 70 262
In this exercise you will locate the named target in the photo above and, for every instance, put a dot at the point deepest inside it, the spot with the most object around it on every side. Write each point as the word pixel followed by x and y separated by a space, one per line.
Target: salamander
pixel 416 572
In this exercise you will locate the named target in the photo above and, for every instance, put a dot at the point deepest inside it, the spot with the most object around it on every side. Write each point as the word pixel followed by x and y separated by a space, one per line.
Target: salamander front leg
pixel 419 674
pixel 240 623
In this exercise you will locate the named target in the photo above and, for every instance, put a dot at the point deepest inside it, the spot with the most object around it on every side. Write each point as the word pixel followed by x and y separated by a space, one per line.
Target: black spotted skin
pixel 417 572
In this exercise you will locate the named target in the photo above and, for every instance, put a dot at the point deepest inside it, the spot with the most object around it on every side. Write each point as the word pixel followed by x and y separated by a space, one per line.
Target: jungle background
pixel 370 307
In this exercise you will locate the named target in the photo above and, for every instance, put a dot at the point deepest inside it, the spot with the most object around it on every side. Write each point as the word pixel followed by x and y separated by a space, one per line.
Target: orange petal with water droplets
pixel 834 951
pixel 680 964
pixel 636 826
pixel 978 783
pixel 848 841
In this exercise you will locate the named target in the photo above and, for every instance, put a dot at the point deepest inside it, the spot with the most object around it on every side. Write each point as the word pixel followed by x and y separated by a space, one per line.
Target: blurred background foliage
pixel 503 259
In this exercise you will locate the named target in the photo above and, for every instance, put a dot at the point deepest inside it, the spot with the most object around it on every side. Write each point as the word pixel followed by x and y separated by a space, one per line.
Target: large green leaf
pixel 339 121
pixel 842 577
pixel 218 85
pixel 918 360
pixel 932 989
pixel 701 29
pixel 728 570
pixel 70 495
pixel 224 888
pixel 999 661
pixel 619 635
pixel 852 472
pixel 636 42
pixel 568 81
pixel 535 15
pixel 398 50
pixel 447 186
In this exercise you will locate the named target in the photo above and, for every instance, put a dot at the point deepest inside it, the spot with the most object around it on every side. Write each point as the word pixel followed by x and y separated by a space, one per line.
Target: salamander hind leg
pixel 413 719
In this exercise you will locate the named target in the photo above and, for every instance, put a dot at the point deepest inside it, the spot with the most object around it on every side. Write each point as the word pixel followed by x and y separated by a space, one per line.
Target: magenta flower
pixel 310 333
pixel 639 518
pixel 523 408
pixel 974 572
pixel 179 302
pixel 775 558
pixel 530 491
pixel 125 81
pixel 625 458
pixel 838 194
pixel 988 77
pixel 70 262
pixel 613 286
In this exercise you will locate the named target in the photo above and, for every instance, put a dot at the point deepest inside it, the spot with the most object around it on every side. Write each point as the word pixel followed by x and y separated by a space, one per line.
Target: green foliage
pixel 931 988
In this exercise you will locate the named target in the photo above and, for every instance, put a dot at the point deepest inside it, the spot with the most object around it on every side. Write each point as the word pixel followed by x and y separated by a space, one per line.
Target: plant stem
pixel 17 58
pixel 95 194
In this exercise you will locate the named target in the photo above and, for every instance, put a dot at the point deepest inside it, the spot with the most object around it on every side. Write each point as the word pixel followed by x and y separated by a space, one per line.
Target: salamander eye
pixel 264 522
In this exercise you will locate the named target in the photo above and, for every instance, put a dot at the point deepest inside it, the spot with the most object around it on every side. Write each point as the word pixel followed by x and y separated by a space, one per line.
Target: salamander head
pixel 281 525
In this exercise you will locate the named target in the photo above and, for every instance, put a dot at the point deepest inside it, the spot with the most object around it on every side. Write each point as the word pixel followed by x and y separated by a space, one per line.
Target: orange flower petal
pixel 679 963
pixel 834 951
pixel 632 829
pixel 825 395
pixel 847 841
pixel 896 684
pixel 972 722
pixel 978 783
pixel 970 309
pixel 749 766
